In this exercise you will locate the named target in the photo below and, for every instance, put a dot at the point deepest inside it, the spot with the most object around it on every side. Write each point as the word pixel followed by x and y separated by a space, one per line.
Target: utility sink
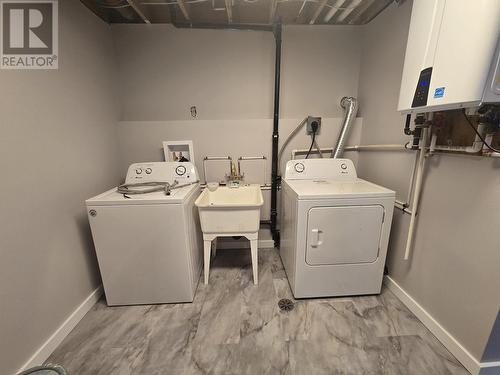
pixel 230 210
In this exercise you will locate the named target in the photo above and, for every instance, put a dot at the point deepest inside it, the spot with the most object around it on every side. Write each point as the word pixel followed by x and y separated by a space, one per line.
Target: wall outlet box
pixel 310 121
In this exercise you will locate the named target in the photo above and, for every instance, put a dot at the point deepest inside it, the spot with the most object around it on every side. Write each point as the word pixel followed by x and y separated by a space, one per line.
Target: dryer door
pixel 343 234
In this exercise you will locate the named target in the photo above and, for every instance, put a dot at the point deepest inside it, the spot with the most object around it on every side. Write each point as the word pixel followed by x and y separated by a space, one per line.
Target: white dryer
pixel 149 246
pixel 334 229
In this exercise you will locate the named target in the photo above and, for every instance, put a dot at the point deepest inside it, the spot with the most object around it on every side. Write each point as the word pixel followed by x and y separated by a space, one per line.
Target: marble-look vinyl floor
pixel 234 327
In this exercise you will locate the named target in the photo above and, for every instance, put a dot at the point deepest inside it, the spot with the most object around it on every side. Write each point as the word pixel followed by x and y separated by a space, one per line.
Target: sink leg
pixel 206 258
pixel 255 260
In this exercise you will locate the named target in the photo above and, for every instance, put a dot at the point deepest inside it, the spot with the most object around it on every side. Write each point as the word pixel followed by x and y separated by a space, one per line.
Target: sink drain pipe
pixel 276 29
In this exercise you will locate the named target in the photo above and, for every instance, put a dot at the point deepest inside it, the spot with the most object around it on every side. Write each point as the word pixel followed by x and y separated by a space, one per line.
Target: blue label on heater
pixel 439 92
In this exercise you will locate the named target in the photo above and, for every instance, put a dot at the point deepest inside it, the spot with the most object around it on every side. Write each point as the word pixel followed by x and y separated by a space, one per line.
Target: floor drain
pixel 285 304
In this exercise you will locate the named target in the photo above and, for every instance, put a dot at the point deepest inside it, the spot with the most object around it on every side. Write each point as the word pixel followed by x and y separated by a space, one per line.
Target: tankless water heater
pixel 452 55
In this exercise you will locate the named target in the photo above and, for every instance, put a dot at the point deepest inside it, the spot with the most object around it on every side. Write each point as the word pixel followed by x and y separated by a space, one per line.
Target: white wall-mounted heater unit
pixel 452 55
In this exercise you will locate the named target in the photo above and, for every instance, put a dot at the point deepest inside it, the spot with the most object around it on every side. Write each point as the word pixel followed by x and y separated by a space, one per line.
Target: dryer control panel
pixel 183 172
pixel 320 169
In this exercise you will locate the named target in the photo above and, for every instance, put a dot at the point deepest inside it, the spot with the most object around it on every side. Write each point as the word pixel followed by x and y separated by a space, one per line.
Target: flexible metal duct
pixel 350 106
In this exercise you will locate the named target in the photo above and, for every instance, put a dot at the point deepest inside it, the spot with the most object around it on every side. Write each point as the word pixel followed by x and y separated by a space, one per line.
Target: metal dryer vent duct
pixel 350 106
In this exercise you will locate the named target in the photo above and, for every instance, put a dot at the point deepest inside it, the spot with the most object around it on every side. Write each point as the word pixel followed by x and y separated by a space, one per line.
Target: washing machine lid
pixel 325 189
pixel 113 198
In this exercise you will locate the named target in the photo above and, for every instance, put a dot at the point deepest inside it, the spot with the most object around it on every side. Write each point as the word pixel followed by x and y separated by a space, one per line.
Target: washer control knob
pixel 180 170
pixel 138 171
pixel 299 167
pixel 343 166
pixel 148 170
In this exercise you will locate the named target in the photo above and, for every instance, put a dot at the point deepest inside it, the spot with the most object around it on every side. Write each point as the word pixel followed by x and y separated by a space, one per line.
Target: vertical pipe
pixel 275 140
pixel 416 194
pixel 350 106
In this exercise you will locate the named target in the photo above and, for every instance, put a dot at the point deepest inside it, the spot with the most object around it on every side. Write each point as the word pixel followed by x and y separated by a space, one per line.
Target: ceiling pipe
pixel 335 7
pixel 272 10
pixel 223 26
pixel 363 8
pixel 342 16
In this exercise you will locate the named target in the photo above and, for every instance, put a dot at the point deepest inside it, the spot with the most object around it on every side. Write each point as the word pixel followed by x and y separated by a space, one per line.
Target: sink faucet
pixel 235 178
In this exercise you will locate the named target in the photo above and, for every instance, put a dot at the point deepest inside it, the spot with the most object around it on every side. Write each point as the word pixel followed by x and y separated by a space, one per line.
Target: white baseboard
pixel 41 355
pixel 452 344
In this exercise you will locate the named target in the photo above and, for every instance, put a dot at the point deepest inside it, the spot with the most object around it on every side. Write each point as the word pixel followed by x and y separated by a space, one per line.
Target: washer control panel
pixel 320 169
pixel 183 172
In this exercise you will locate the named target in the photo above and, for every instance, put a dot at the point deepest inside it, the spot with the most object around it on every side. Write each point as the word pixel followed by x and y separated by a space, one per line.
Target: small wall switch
pixel 310 121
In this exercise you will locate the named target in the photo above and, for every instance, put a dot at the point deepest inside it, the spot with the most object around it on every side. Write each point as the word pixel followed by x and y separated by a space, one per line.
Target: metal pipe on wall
pixel 403 207
pixel 350 106
pixel 416 194
pixel 389 147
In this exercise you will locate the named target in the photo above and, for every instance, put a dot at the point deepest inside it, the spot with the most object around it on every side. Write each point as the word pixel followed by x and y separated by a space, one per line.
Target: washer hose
pixel 167 187
pixel 57 369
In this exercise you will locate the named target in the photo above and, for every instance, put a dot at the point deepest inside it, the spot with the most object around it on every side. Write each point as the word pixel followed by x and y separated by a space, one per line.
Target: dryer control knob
pixel 138 171
pixel 299 167
pixel 343 166
pixel 148 170
pixel 180 170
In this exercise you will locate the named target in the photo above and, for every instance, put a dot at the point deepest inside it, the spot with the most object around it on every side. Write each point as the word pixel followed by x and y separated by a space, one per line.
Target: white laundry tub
pixel 230 210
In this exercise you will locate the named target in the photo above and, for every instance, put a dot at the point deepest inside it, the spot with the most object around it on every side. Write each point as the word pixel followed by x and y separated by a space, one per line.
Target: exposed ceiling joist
pixel 136 7
pixel 342 16
pixel 318 11
pixel 184 10
pixel 333 10
pixel 301 8
pixel 359 12
pixel 234 13
pixel 229 9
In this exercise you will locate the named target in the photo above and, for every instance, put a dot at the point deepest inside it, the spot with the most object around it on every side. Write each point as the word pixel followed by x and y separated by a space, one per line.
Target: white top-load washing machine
pixel 149 246
pixel 334 229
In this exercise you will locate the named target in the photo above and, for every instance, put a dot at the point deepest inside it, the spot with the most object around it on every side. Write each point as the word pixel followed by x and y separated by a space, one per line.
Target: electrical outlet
pixel 310 121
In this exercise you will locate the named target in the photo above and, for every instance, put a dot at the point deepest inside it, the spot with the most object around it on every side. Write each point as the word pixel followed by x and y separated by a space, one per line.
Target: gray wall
pixel 58 147
pixel 453 272
pixel 142 141
pixel 229 74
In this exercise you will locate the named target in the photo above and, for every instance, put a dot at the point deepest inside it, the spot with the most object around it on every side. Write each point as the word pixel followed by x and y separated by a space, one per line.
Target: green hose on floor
pixel 45 370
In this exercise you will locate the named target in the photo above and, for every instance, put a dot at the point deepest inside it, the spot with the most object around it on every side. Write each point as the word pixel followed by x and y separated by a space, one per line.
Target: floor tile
pixel 236 327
